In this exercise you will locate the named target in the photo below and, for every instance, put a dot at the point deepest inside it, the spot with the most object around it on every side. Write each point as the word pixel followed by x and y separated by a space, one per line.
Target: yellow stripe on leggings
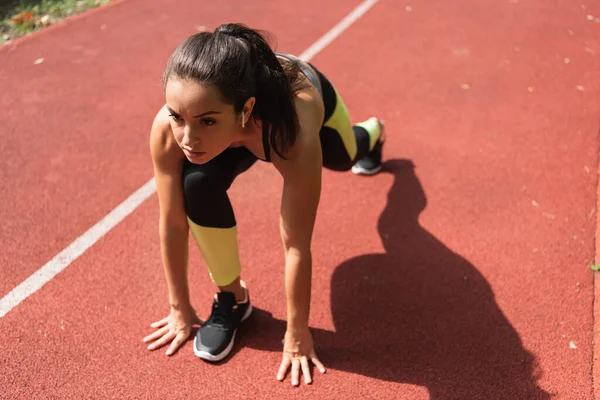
pixel 374 130
pixel 340 121
pixel 219 249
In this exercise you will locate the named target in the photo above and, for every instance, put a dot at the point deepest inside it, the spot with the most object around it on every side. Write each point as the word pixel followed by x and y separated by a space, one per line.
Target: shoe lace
pixel 220 315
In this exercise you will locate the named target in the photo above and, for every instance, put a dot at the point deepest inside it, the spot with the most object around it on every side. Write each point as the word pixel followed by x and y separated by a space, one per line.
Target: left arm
pixel 301 173
pixel 300 199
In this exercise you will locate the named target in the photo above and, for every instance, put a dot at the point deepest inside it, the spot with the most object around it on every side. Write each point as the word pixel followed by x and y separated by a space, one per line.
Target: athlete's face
pixel 202 123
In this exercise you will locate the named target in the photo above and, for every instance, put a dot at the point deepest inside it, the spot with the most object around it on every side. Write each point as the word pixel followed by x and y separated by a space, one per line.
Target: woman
pixel 230 100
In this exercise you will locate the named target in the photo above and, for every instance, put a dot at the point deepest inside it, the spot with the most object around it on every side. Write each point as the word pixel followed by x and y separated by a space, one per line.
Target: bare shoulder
pixel 163 147
pixel 167 158
pixel 308 101
pixel 305 154
pixel 309 104
pixel 310 111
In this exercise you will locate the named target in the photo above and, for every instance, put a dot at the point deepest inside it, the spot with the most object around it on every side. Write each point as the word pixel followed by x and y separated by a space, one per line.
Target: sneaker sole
pixel 356 170
pixel 218 357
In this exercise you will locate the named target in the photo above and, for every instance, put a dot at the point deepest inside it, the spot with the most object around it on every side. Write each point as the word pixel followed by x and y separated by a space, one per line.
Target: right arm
pixel 168 159
pixel 173 226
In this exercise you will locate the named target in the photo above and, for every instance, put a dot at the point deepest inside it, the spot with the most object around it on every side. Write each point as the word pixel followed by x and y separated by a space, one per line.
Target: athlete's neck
pixel 250 135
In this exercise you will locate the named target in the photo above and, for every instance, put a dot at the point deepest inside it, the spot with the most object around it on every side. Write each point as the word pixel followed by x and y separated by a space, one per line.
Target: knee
pixel 206 202
pixel 198 186
pixel 335 153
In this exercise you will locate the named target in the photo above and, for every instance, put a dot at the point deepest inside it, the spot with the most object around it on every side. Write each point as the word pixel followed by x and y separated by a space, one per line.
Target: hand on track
pixel 298 349
pixel 174 328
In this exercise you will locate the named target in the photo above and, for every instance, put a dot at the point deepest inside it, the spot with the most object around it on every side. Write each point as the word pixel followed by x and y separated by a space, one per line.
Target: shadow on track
pixel 418 313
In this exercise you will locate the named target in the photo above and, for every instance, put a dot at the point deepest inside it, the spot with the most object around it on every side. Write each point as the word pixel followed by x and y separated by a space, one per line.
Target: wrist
pixel 296 329
pixel 181 306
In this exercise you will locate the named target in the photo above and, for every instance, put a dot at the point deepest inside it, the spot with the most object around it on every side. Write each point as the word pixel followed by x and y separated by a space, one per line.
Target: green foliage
pixel 22 17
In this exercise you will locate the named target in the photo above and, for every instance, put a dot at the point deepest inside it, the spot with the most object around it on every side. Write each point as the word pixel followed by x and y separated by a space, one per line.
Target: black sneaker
pixel 371 163
pixel 214 340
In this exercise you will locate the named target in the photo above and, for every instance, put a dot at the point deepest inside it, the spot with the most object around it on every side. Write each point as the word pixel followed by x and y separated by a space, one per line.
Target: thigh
pixel 338 141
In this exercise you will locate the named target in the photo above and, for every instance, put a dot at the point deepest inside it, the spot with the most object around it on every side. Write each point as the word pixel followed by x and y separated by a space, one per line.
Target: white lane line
pixel 337 30
pixel 63 259
pixel 75 249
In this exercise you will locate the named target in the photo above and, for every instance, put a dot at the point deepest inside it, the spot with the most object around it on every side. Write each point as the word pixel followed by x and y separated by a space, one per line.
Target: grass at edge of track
pixel 21 17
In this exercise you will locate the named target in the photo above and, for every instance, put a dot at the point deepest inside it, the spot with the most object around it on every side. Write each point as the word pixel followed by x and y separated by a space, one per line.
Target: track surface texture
pixel 459 272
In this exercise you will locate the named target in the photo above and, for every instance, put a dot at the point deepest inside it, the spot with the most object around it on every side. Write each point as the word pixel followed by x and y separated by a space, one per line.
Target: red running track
pixel 459 273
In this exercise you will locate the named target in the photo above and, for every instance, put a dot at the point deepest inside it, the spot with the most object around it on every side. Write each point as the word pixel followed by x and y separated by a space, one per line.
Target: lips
pixel 193 154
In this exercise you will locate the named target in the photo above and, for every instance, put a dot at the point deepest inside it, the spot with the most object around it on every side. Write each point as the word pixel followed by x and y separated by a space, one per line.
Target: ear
pixel 247 110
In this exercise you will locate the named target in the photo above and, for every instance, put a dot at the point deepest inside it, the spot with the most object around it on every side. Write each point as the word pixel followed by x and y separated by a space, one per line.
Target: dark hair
pixel 239 61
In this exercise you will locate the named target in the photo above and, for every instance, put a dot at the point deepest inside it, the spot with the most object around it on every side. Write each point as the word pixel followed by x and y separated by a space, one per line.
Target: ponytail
pixel 240 62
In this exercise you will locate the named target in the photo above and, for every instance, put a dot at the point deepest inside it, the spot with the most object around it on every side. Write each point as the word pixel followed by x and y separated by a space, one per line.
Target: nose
pixel 188 141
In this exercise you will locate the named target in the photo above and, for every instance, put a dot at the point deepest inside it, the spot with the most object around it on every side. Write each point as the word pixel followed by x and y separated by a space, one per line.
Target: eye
pixel 175 117
pixel 208 121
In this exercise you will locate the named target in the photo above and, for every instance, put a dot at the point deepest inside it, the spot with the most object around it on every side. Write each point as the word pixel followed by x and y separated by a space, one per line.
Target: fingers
pixel 295 372
pixel 179 339
pixel 176 331
pixel 161 323
pixel 285 364
pixel 319 364
pixel 299 364
pixel 156 334
pixel 305 370
pixel 160 342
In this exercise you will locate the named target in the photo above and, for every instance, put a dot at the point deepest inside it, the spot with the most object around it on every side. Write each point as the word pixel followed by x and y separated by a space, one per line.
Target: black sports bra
pixel 310 76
